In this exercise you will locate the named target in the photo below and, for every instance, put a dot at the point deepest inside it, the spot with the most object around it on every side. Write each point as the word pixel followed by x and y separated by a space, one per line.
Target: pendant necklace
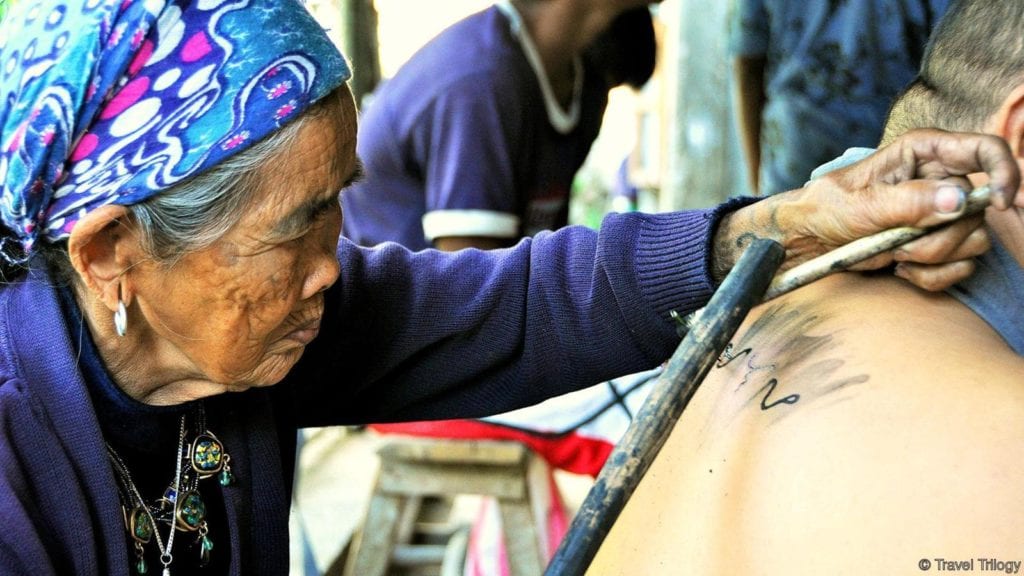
pixel 181 508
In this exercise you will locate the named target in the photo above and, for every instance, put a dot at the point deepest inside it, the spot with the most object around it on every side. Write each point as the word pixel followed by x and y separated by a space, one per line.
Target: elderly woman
pixel 170 181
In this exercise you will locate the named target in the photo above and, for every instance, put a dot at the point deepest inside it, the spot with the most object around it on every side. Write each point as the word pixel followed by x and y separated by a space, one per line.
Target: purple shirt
pixel 461 135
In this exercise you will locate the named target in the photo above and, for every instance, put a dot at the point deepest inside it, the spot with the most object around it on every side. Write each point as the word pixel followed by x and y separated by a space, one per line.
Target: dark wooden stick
pixel 633 455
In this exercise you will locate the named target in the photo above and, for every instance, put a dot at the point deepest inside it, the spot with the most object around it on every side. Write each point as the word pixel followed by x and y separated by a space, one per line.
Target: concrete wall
pixel 703 163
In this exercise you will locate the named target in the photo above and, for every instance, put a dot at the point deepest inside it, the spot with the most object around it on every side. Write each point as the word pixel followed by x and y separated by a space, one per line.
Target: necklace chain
pixel 181 506
pixel 166 555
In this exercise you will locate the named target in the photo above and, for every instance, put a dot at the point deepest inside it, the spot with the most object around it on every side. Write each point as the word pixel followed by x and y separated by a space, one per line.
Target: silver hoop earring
pixel 120 317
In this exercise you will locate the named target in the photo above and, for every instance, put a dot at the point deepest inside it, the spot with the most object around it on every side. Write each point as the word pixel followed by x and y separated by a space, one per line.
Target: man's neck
pixel 562 30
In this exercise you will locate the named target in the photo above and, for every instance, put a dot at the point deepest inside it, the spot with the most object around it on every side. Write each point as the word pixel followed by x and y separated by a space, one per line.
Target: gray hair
pixel 195 213
pixel 974 59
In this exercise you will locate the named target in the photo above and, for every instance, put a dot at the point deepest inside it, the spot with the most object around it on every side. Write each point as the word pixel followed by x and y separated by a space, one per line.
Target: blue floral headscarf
pixel 111 101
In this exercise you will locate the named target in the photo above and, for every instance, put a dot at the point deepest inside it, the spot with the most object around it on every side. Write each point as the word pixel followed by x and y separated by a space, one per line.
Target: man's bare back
pixel 859 434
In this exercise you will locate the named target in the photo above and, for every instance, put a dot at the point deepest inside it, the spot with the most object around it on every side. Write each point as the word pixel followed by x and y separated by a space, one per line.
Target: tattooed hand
pixel 918 180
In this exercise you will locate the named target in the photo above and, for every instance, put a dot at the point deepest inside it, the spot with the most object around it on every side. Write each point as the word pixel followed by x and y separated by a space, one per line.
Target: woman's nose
pixel 325 268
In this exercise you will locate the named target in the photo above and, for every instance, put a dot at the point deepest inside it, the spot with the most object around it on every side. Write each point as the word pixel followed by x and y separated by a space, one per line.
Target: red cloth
pixel 572 452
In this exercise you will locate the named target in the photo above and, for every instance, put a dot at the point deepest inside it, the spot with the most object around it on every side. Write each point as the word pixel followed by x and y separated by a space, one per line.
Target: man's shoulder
pixel 879 319
pixel 871 342
pixel 479 46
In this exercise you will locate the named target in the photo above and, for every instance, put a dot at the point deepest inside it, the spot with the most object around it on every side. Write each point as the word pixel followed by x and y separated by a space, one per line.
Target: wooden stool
pixel 414 469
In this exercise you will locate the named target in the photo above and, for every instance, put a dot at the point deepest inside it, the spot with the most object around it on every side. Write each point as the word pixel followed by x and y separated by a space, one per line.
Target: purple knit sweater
pixel 406 336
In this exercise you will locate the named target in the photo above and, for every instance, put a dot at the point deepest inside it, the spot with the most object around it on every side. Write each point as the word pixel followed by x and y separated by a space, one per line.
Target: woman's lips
pixel 305 333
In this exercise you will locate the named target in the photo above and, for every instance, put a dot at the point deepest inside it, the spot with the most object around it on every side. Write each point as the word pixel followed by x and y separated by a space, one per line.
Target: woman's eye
pixel 325 209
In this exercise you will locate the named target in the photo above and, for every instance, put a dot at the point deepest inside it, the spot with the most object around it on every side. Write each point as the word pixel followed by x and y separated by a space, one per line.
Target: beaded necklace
pixel 181 507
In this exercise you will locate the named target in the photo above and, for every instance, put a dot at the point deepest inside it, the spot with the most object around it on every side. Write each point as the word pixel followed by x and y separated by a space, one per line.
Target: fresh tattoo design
pixel 727 356
pixel 784 359
pixel 765 405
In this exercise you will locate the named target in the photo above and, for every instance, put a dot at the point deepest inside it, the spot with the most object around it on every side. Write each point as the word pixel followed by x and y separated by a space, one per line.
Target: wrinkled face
pixel 241 312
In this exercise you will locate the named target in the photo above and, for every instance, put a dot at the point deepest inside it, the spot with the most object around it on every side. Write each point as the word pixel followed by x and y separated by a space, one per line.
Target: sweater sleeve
pixel 435 335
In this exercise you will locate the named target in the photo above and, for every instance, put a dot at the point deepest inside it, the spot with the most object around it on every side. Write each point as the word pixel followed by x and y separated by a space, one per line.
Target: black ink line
pixel 727 356
pixel 771 385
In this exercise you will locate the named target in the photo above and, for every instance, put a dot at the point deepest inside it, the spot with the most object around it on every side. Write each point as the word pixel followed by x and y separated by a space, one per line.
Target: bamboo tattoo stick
pixel 859 250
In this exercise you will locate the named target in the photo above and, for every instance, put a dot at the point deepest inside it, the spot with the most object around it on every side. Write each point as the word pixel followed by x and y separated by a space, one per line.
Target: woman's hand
pixel 918 180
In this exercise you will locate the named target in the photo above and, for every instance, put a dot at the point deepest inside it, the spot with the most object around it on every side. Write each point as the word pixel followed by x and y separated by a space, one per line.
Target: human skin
pixel 838 435
pixel 239 313
pixel 748 74
pixel 873 195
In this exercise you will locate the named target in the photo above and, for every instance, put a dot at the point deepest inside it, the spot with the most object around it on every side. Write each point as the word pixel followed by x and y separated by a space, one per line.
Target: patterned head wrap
pixel 112 101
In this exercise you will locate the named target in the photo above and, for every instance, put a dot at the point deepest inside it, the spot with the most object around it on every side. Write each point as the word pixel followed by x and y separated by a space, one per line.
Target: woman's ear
pixel 101 251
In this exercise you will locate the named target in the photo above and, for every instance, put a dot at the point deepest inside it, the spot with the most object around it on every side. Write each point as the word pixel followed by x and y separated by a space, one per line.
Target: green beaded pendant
pixel 205 546
pixel 226 478
pixel 141 567
pixel 207 454
pixel 139 525
pixel 190 512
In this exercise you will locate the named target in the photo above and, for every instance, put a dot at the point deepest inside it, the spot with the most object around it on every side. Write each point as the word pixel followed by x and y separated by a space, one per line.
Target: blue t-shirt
pixel 461 135
pixel 832 69
pixel 995 293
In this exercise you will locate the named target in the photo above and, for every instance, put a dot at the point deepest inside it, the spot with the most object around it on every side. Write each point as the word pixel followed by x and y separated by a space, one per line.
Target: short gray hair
pixel 974 59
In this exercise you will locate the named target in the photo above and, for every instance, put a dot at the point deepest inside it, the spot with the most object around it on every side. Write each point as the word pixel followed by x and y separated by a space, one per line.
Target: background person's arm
pixel 467 143
pixel 750 99
pixel 749 41
pixel 453 243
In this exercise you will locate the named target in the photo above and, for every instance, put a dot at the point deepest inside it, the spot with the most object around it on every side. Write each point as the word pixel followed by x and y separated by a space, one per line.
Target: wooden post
pixel 361 47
